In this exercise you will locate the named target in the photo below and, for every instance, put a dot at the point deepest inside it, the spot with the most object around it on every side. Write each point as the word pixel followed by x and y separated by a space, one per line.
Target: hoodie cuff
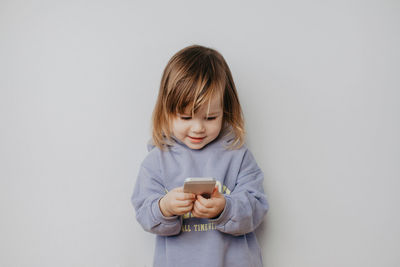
pixel 158 216
pixel 223 218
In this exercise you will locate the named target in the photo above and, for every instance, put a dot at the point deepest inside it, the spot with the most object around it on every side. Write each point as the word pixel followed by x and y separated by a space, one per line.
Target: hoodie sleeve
pixel 149 189
pixel 247 205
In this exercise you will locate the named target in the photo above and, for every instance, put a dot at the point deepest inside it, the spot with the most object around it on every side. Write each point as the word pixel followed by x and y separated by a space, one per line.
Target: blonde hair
pixel 193 76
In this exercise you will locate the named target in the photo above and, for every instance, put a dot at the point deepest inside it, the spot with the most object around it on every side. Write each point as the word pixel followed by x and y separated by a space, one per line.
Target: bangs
pixel 197 88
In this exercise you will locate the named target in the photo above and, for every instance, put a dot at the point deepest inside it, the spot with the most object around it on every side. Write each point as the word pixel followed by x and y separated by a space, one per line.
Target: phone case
pixel 199 186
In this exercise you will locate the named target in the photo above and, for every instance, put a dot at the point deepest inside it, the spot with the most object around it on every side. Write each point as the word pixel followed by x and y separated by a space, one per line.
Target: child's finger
pixel 198 212
pixel 215 192
pixel 185 196
pixel 204 204
pixel 182 195
pixel 183 203
pixel 184 210
pixel 199 207
pixel 208 203
pixel 178 189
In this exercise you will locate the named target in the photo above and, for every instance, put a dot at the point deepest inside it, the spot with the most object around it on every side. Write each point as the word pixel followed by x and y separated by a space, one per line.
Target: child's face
pixel 202 128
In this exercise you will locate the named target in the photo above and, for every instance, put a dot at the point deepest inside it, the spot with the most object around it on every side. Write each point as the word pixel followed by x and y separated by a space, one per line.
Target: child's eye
pixel 211 118
pixel 185 118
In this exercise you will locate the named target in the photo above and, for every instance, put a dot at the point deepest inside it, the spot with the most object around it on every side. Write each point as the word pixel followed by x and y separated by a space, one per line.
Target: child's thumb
pixel 216 191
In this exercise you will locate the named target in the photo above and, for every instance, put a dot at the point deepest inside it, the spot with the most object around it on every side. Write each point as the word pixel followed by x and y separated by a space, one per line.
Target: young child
pixel 198 131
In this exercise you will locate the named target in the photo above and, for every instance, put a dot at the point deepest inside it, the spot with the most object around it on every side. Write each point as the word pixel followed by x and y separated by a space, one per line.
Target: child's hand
pixel 209 208
pixel 176 202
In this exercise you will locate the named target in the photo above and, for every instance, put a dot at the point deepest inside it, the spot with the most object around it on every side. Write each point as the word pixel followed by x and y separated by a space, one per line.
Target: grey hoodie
pixel 188 241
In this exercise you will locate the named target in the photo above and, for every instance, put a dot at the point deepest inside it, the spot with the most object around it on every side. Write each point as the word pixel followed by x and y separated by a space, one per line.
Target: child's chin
pixel 195 146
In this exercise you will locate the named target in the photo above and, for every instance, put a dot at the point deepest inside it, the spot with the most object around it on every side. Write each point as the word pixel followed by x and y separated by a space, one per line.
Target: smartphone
pixel 200 186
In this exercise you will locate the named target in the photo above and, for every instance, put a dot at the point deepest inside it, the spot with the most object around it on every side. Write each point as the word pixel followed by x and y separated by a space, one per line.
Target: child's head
pixel 197 100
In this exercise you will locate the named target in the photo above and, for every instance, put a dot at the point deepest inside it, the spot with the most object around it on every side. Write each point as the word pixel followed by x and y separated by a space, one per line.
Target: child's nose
pixel 198 126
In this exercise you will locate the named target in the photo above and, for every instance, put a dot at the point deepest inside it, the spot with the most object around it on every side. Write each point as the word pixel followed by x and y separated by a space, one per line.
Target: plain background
pixel 319 84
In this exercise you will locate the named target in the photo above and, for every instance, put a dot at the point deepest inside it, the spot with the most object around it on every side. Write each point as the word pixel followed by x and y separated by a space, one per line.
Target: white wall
pixel 319 83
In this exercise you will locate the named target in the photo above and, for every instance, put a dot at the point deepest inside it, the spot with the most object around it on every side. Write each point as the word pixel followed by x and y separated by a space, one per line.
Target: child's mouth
pixel 196 139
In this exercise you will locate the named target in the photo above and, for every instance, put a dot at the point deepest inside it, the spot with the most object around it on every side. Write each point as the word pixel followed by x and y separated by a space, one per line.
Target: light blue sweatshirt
pixel 186 241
